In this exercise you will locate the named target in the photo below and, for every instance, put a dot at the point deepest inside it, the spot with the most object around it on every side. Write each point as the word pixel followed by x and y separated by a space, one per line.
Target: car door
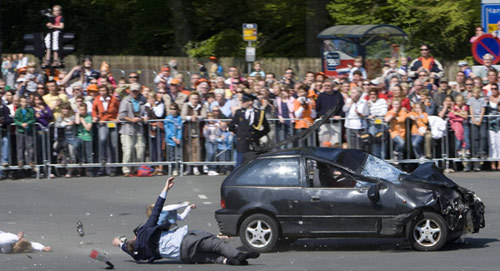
pixel 334 202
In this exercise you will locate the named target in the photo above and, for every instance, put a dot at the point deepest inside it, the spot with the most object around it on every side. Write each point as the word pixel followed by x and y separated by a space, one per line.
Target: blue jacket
pixel 226 142
pixel 173 129
pixel 148 236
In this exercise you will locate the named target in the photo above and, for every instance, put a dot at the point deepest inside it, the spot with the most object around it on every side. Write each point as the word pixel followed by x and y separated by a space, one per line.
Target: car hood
pixel 428 173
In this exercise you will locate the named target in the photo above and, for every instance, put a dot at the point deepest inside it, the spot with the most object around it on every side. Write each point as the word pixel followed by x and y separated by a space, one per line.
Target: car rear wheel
pixel 430 232
pixel 259 232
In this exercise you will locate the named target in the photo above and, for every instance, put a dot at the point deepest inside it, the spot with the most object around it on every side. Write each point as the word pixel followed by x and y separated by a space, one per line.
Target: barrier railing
pixel 57 149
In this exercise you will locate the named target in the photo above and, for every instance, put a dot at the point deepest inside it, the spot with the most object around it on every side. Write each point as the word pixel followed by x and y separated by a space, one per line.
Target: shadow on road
pixel 374 244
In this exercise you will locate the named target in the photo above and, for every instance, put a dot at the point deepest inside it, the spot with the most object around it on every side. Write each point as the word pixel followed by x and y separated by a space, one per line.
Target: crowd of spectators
pixel 409 111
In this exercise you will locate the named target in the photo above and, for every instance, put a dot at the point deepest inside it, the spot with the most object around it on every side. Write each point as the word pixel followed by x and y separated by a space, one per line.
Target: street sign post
pixel 490 15
pixel 486 44
pixel 249 34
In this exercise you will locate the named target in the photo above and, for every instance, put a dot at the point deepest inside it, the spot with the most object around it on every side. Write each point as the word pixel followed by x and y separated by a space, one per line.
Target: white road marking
pixel 202 197
pixel 207 203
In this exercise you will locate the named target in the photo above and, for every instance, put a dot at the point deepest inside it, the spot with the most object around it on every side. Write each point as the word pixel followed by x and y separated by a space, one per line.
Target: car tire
pixel 259 233
pixel 429 232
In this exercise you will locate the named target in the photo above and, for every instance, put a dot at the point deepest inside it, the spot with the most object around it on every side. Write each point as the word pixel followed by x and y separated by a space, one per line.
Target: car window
pixel 325 175
pixel 378 168
pixel 270 172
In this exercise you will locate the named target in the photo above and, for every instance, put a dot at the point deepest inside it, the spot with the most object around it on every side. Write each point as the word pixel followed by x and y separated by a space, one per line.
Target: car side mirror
pixel 374 193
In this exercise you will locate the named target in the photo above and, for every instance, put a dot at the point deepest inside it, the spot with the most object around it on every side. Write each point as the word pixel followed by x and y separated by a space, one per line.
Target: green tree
pixel 446 25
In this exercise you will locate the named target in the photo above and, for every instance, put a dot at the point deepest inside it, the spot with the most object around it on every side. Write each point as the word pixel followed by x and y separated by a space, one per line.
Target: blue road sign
pixel 490 15
pixel 486 44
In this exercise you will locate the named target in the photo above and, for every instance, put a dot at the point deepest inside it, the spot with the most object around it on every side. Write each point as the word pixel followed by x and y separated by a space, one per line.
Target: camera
pixel 46 12
pixel 302 100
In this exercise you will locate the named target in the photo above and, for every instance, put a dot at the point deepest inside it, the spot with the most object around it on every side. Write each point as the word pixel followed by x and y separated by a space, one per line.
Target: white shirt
pixel 353 120
pixel 105 102
pixel 249 115
pixel 7 240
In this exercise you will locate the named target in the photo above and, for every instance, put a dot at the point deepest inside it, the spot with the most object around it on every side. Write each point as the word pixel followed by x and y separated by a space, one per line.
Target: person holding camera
pixel 55 26
pixel 304 110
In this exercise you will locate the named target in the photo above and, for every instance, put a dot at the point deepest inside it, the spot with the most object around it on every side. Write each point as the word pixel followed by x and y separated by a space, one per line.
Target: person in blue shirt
pixel 154 242
pixel 224 146
pixel 173 135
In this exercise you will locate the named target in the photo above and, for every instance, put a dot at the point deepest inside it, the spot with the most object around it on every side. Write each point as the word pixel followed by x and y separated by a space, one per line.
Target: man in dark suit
pixel 155 242
pixel 248 124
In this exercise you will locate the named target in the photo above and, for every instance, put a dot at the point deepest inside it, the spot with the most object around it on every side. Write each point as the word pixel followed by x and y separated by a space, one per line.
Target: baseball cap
pixel 135 87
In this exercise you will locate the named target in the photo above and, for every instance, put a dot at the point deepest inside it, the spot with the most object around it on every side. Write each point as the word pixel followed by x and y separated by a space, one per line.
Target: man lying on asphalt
pixel 155 242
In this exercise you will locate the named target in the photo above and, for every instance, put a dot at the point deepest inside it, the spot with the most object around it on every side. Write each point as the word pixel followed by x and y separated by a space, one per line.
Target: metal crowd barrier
pixel 46 150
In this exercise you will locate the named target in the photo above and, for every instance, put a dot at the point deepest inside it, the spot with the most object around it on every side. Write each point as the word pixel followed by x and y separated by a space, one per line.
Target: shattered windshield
pixel 378 168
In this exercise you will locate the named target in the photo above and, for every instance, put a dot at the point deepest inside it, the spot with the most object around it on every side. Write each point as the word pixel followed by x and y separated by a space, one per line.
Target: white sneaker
pixel 196 171
pixel 205 169
pixel 175 172
pixel 213 173
pixel 422 160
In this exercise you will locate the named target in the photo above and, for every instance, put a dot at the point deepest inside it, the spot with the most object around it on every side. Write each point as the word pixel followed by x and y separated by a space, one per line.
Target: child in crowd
pixel 66 144
pixel 211 131
pixel 477 108
pixel 173 135
pixel 224 146
pixel 24 120
pixel 396 117
pixel 55 26
pixel 84 122
pixel 418 129
pixel 377 108
pixel 358 66
pixel 458 117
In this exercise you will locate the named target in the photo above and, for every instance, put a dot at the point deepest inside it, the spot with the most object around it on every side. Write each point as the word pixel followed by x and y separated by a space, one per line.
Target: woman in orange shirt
pixel 304 109
pixel 396 118
pixel 418 129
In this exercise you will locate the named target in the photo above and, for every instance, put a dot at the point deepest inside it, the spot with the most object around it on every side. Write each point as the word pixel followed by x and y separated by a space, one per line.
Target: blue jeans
pixel 378 146
pixel 416 143
pixel 399 145
pixel 479 138
pixel 239 158
pixel 224 156
pixel 5 148
pixel 210 150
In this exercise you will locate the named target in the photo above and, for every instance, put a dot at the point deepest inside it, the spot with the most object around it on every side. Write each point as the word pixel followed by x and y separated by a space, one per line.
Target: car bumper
pixel 228 222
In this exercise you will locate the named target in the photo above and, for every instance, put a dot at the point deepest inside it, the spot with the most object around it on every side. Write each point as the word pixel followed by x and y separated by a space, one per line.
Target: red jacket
pixel 99 112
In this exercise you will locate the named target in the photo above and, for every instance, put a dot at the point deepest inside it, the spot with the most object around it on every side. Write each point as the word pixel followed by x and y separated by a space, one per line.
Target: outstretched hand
pixel 169 183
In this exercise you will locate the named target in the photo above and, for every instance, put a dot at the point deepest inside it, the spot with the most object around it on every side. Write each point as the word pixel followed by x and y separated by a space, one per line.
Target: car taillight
pixel 222 203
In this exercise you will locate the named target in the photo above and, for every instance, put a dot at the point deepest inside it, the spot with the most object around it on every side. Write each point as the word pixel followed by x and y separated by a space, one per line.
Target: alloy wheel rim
pixel 427 232
pixel 258 233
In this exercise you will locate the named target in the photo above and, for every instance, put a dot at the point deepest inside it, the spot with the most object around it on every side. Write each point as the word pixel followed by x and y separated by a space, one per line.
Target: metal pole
pixel 249 63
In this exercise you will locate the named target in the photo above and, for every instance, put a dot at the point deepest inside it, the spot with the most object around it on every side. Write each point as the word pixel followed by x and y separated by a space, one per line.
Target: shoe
pixel 242 256
pixel 5 164
pixel 32 165
pixel 126 174
pixel 196 171
pixel 159 173
pixel 421 160
pixel 233 261
pixel 476 169
pixel 212 173
pixel 112 174
pixel 20 164
pixel 175 172
pixel 67 175
pixel 205 169
pixel 449 170
pixel 79 228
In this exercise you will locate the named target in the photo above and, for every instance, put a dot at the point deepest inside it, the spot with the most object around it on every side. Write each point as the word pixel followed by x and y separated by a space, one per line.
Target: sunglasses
pixel 469 84
pixel 424 49
pixel 133 77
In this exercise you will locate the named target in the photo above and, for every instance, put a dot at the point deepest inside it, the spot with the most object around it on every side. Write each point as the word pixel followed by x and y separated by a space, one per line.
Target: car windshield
pixel 378 168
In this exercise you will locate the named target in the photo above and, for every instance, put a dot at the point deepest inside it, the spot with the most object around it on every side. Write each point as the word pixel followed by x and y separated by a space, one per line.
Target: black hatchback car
pixel 325 192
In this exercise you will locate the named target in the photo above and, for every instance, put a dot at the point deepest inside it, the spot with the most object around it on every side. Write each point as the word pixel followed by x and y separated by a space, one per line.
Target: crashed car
pixel 325 192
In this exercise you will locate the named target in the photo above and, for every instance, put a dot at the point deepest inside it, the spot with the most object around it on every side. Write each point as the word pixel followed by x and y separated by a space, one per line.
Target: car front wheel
pixel 430 232
pixel 259 232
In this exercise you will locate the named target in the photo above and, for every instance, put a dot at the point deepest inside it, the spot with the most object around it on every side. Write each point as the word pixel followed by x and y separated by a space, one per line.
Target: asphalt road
pixel 47 212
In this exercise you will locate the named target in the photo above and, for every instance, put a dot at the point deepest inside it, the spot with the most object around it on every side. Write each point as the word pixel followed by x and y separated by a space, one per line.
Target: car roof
pixel 346 157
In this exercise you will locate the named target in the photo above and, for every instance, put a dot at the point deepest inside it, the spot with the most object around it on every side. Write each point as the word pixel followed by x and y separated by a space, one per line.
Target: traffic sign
pixel 490 15
pixel 332 60
pixel 486 44
pixel 250 54
pixel 249 32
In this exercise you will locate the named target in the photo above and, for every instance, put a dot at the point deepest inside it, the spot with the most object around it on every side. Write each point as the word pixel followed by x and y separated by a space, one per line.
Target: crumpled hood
pixel 429 173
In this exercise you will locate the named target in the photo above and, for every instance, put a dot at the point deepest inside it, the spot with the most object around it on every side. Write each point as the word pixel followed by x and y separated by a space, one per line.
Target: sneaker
pixel 476 169
pixel 213 173
pixel 421 160
pixel 205 169
pixel 5 164
pixel 449 170
pixel 175 172
pixel 196 171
